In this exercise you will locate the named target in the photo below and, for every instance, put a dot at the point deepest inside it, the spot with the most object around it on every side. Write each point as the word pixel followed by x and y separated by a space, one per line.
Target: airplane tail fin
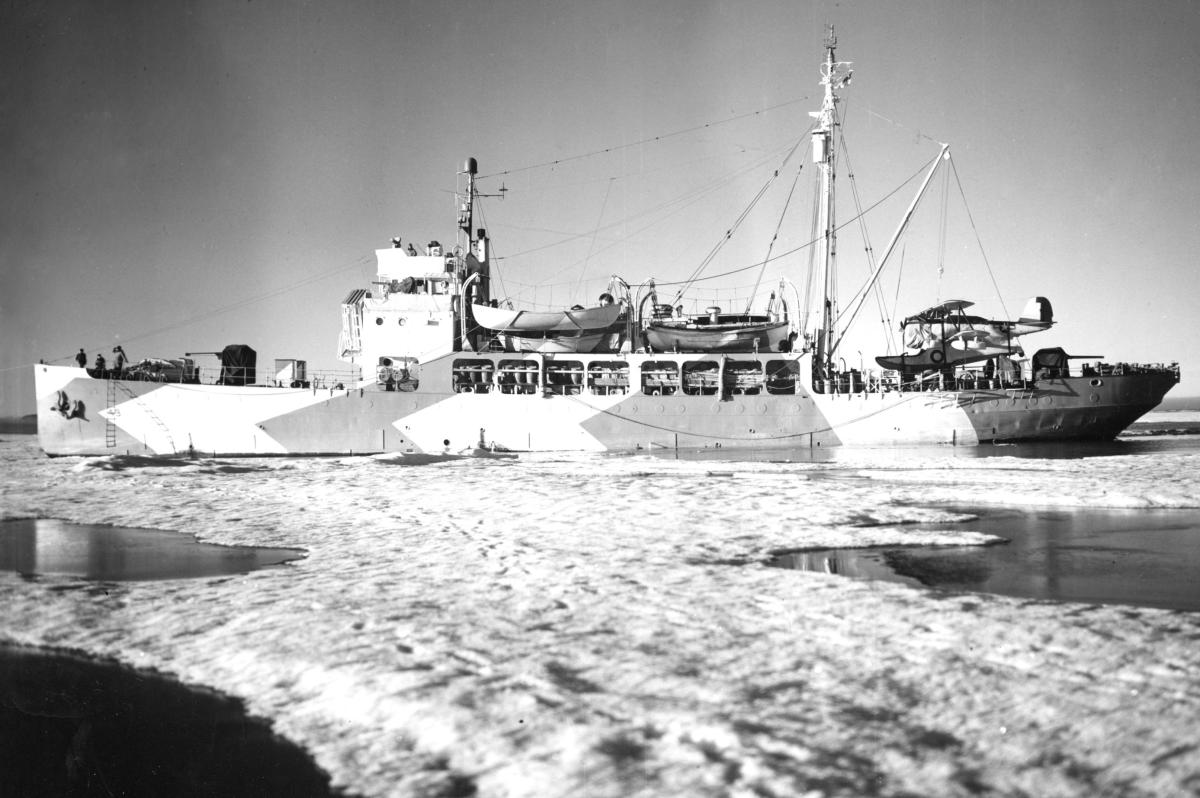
pixel 1038 311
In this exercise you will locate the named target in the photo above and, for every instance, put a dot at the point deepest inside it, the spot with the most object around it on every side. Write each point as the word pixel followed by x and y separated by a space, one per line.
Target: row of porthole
pixel 1049 400
pixel 633 408
pixel 379 320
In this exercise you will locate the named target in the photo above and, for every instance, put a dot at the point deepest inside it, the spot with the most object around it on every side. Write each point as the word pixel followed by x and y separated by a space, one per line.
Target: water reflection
pixel 112 553
pixel 857 563
pixel 1045 450
pixel 1140 557
pixel 1139 441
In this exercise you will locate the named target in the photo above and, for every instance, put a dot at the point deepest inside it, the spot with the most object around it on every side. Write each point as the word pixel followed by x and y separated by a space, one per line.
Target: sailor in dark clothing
pixel 99 365
pixel 120 359
pixel 81 359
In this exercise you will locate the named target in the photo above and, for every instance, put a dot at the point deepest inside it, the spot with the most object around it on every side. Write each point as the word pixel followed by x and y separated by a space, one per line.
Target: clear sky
pixel 183 175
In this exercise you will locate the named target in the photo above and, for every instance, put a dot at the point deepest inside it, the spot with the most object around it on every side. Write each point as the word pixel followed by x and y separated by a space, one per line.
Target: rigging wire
pixel 812 257
pixel 885 320
pixel 681 202
pixel 687 199
pixel 648 140
pixel 941 261
pixel 814 239
pixel 592 243
pixel 358 263
pixel 899 282
pixel 736 224
pixel 855 301
pixel 978 241
pixel 491 249
pixel 771 246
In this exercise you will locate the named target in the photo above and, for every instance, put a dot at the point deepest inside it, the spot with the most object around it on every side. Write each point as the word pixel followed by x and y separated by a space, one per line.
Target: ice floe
pixel 579 625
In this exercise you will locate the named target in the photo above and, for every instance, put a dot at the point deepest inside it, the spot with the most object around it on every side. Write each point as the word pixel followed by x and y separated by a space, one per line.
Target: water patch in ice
pixel 124 462
pixel 43 546
pixel 190 465
pixel 73 726
pixel 431 458
pixel 1143 557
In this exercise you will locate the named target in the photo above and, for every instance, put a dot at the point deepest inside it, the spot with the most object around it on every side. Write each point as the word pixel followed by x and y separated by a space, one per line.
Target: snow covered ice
pixel 606 626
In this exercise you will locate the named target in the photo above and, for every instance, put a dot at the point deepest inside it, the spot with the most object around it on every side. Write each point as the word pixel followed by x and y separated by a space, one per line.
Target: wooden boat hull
pixel 666 337
pixel 523 322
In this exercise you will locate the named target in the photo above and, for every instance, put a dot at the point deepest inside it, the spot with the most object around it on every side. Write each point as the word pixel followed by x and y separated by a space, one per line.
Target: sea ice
pixel 605 626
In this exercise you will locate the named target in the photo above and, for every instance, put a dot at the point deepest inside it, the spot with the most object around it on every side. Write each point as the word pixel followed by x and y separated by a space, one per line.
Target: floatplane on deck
pixel 435 367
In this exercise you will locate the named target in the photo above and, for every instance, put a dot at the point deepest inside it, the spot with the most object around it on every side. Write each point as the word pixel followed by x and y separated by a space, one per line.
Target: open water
pixel 560 625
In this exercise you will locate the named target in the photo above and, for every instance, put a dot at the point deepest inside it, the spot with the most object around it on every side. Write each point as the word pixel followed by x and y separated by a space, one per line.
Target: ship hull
pixel 81 415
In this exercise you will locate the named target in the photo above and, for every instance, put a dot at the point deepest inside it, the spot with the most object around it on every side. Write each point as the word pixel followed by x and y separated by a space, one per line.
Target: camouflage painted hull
pixel 81 415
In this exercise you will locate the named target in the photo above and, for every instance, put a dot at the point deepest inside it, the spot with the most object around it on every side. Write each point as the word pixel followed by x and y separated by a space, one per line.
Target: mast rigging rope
pixel 648 140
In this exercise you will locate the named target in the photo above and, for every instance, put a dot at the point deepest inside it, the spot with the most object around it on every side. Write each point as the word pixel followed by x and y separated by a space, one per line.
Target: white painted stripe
pixel 883 419
pixel 515 421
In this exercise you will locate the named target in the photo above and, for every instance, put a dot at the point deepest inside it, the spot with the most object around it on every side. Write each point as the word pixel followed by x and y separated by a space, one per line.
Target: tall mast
pixel 834 75
pixel 466 206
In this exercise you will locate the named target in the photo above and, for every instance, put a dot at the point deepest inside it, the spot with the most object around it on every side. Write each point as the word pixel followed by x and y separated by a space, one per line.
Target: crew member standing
pixel 81 358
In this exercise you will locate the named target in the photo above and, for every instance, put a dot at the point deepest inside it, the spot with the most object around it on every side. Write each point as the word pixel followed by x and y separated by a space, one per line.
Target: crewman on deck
pixel 81 358
pixel 99 365
pixel 120 367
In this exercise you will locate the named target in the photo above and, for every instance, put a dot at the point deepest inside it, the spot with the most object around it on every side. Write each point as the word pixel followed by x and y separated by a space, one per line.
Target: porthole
pixel 1096 383
pixel 402 320
pixel 379 319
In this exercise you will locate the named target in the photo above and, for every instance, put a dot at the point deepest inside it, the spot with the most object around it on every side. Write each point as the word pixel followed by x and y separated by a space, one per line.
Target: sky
pixel 181 176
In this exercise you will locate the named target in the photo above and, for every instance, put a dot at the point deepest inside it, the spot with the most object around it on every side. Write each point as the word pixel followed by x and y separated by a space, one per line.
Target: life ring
pixel 937 356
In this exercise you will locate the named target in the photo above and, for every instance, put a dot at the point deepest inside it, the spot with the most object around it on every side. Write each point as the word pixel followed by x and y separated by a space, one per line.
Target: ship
pixel 437 366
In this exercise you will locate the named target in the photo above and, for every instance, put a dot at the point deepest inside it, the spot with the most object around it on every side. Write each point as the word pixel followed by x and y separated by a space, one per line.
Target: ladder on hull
pixel 110 429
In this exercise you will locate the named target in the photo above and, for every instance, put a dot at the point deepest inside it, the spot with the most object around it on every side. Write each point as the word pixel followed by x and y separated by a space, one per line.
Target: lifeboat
pixel 577 330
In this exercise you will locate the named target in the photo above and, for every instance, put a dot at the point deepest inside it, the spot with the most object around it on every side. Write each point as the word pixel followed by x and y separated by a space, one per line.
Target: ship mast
pixel 466 207
pixel 834 75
